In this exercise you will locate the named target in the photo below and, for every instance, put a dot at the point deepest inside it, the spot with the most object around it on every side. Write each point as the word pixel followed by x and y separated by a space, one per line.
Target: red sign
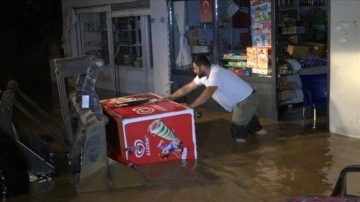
pixel 149 132
pixel 206 10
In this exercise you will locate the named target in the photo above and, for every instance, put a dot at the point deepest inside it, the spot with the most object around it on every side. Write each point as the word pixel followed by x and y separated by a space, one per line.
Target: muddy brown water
pixel 291 160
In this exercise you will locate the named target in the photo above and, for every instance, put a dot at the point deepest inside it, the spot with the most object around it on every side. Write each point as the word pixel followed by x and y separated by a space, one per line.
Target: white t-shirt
pixel 231 88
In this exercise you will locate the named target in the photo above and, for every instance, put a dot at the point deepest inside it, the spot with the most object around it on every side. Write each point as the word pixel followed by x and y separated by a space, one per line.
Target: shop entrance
pixel 120 35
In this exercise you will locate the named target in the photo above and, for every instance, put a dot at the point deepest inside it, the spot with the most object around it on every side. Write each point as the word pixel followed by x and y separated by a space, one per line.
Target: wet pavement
pixel 291 160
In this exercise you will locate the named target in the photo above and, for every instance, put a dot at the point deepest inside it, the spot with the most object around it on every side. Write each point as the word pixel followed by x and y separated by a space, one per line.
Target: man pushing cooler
pixel 230 91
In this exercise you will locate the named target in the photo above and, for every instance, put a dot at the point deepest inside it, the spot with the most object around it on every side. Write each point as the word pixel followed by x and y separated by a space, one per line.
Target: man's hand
pixel 166 98
pixel 182 91
pixel 186 105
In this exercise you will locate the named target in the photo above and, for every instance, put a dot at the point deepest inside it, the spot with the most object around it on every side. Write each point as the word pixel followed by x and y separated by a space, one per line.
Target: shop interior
pixel 247 35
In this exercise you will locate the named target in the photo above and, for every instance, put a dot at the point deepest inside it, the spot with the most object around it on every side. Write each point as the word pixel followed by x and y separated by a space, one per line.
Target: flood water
pixel 291 160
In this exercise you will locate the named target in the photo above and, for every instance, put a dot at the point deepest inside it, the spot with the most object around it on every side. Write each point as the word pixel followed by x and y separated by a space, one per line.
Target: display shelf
pixel 300 22
pixel 236 57
pixel 235 61
pixel 236 64
pixel 312 2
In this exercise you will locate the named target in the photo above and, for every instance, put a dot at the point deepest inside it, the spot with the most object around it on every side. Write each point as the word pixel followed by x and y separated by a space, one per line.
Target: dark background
pixel 29 29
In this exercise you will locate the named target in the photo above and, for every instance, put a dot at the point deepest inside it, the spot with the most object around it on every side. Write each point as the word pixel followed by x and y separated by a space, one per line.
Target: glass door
pixel 127 41
pixel 132 53
pixel 94 38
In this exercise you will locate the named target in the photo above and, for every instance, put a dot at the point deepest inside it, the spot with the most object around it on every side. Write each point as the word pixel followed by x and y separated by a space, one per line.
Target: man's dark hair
pixel 201 59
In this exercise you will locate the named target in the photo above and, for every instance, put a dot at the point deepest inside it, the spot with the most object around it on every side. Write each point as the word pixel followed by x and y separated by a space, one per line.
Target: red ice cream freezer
pixel 145 129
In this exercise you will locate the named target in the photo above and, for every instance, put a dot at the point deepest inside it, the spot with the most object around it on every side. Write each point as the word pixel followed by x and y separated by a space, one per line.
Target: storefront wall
pixel 161 47
pixel 344 113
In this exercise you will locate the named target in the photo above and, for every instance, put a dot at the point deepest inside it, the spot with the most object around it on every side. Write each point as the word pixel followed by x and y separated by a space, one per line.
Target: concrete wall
pixel 344 111
pixel 161 47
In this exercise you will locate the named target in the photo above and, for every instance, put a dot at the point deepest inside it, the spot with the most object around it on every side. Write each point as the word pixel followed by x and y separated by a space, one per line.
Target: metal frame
pixel 40 162
pixel 85 127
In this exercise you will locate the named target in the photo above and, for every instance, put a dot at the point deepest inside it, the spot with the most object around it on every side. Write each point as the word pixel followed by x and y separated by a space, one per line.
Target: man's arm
pixel 204 96
pixel 187 88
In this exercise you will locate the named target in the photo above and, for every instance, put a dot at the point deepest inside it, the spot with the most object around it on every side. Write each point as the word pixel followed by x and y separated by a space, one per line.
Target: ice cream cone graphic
pixel 160 129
